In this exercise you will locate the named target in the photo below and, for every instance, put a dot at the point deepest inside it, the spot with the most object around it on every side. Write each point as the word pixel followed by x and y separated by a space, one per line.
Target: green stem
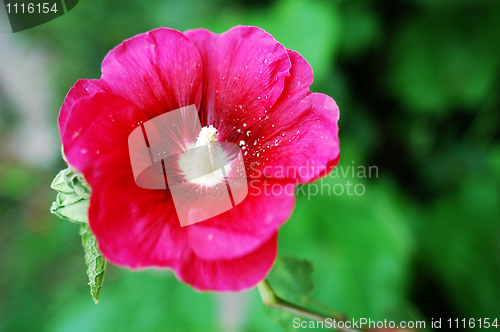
pixel 270 299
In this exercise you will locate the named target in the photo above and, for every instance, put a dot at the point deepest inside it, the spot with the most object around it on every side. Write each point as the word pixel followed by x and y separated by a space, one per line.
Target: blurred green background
pixel 417 83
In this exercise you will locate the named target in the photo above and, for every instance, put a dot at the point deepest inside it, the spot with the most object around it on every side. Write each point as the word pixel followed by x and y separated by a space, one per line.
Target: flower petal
pixel 244 71
pixel 82 89
pixel 229 275
pixel 96 136
pixel 138 230
pixel 159 71
pixel 134 227
pixel 299 140
pixel 246 226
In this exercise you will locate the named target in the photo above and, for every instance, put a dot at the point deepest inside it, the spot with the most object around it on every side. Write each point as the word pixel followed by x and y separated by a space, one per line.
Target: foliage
pixel 291 280
pixel 72 203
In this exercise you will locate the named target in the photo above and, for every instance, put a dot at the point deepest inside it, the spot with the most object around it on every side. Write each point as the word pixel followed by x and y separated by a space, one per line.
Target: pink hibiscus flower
pixel 255 93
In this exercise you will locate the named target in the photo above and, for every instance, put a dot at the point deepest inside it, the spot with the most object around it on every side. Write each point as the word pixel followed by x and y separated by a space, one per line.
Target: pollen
pixel 208 134
pixel 198 165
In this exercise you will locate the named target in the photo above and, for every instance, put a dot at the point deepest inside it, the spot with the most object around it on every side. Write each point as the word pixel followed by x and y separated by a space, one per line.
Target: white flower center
pixel 207 135
pixel 199 164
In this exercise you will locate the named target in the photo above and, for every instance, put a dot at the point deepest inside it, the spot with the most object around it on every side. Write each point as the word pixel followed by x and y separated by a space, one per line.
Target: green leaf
pixel 95 262
pixel 69 181
pixel 59 184
pixel 75 181
pixel 364 248
pixel 291 280
pixel 72 201
pixel 71 207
